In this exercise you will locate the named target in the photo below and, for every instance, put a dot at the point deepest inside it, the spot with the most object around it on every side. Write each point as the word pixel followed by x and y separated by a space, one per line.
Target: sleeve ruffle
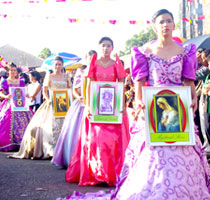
pixel 120 68
pixel 190 62
pixel 4 84
pixel 139 65
pixel 22 83
pixel 90 71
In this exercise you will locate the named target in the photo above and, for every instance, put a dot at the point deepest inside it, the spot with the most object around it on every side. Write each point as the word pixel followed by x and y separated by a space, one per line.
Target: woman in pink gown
pixel 99 154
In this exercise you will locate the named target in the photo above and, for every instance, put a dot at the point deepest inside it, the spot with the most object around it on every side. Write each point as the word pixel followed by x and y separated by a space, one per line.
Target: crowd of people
pixel 117 154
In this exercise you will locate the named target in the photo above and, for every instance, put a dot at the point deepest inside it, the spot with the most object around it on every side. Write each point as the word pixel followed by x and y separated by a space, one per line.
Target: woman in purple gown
pixel 68 137
pixel 168 172
pixel 12 124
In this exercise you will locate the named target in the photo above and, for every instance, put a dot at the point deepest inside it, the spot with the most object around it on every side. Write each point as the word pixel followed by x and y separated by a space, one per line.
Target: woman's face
pixel 106 48
pixel 198 55
pixel 32 78
pixel 13 71
pixel 58 66
pixel 164 25
pixel 162 106
pixel 203 58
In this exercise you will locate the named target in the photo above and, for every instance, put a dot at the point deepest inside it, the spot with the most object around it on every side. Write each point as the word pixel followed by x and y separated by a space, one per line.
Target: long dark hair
pixel 36 75
pixel 25 77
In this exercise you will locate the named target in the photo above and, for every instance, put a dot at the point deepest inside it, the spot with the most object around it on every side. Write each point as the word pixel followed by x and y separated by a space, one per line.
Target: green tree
pixel 45 53
pixel 138 40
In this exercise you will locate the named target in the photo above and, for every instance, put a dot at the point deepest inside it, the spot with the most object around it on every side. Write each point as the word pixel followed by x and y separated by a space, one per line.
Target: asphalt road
pixel 25 179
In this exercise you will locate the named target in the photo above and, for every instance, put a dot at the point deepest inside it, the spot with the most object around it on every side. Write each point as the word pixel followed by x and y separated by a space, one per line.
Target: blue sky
pixel 26 28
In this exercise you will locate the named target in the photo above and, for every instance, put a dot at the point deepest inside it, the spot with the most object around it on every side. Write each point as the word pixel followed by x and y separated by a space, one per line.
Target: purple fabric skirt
pixel 67 140
pixel 12 126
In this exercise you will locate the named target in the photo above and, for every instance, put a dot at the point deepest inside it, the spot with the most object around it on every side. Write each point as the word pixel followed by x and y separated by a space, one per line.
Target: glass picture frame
pixel 106 102
pixel 61 101
pixel 168 116
pixel 19 100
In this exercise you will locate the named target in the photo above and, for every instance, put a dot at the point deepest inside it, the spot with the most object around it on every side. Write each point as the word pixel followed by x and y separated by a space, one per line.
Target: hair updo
pixel 161 12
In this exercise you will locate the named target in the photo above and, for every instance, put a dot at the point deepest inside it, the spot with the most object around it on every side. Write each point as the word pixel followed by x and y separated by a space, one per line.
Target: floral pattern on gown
pixel 69 134
pixel 12 124
pixel 43 131
pixel 97 160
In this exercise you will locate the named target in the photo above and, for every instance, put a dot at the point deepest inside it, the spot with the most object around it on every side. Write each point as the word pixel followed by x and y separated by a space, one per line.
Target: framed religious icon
pixel 18 100
pixel 169 118
pixel 106 102
pixel 61 101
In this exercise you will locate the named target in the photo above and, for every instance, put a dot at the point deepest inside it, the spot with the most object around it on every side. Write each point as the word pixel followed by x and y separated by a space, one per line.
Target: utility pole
pixel 184 33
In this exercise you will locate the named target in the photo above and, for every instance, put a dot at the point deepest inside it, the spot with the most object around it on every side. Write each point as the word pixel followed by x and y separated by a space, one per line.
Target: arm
pixel 69 83
pixel 36 91
pixel 45 87
pixel 77 95
pixel 88 91
pixel 138 97
pixel 189 82
pixel 122 80
pixel 164 119
pixel 45 94
pixel 4 96
pixel 138 93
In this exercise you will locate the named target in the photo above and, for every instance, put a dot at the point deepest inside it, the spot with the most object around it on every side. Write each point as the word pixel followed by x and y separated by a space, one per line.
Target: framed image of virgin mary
pixel 18 101
pixel 169 118
pixel 106 102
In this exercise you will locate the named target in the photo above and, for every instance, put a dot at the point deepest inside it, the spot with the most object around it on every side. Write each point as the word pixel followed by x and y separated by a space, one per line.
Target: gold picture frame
pixel 61 101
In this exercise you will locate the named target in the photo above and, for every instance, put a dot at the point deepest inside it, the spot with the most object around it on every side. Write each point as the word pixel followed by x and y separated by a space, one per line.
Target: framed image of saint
pixel 18 101
pixel 169 118
pixel 61 101
pixel 106 102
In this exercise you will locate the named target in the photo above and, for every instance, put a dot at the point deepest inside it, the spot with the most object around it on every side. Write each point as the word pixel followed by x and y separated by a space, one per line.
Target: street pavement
pixel 26 179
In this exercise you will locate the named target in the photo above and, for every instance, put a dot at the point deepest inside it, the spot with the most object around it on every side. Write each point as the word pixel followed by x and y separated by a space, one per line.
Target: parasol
pixel 71 61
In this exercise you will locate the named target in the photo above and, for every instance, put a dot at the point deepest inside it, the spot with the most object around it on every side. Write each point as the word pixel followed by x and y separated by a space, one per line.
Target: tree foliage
pixel 138 40
pixel 45 53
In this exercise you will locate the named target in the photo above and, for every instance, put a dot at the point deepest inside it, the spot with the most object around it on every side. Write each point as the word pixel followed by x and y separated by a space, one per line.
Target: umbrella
pixel 70 60
pixel 202 41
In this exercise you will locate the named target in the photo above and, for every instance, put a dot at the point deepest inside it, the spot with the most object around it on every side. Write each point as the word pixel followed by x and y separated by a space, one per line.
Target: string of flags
pixel 64 1
pixel 46 1
pixel 82 20
pixel 204 1
pixel 77 20
pixel 201 17
pixel 103 21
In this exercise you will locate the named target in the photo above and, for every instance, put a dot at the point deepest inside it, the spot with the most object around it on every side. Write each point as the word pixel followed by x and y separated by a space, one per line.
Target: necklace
pixel 106 64
pixel 13 81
